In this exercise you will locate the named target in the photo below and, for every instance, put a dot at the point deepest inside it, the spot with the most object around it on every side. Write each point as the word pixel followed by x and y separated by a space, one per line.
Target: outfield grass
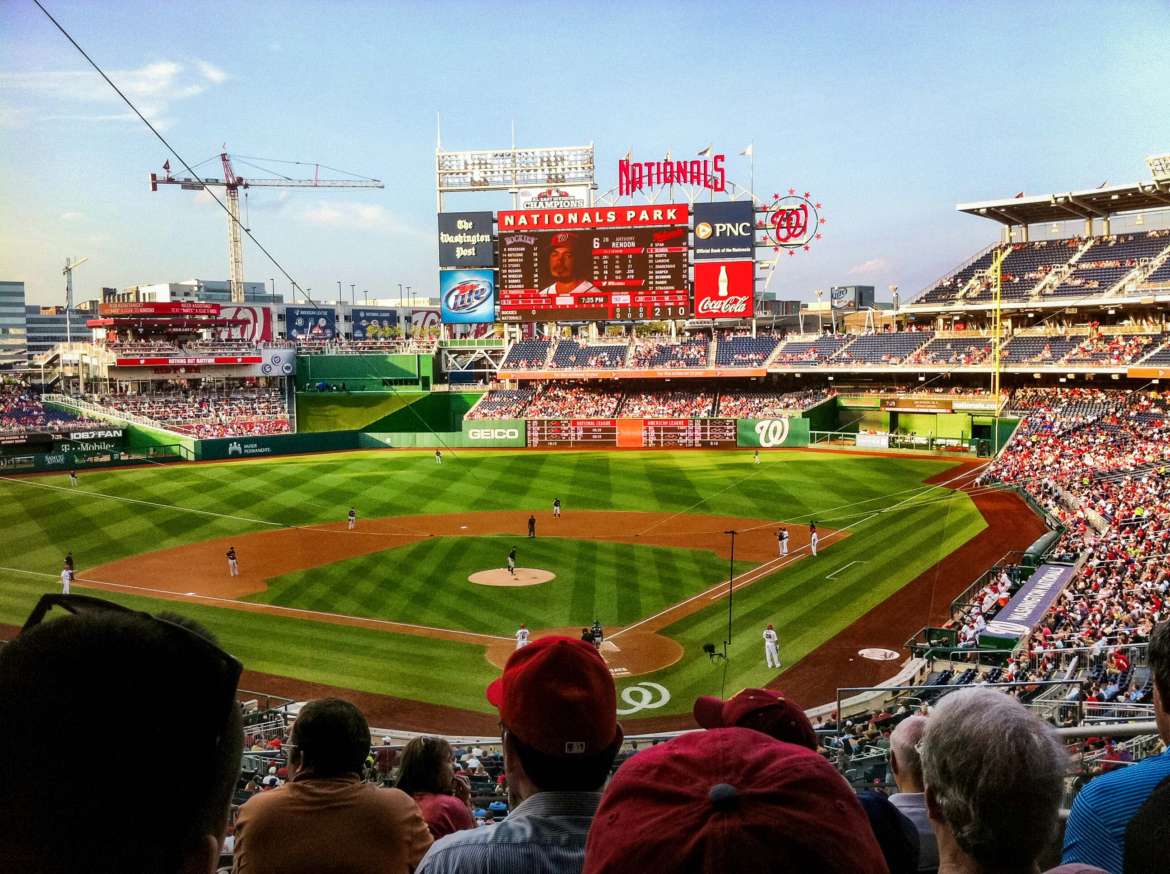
pixel 115 514
pixel 426 583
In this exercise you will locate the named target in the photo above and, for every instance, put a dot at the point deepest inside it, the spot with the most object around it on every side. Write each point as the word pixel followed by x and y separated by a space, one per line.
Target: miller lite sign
pixel 467 296
pixel 724 289
pixel 725 230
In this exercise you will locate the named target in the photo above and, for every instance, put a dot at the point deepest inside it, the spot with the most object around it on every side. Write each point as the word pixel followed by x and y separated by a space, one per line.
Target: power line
pixel 296 286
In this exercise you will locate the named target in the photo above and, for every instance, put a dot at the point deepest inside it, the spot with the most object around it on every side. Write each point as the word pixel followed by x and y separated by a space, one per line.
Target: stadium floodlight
pixel 512 169
pixel 1159 167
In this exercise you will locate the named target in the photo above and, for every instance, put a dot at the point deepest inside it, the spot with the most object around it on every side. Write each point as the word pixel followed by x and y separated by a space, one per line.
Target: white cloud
pixel 72 216
pixel 871 267
pixel 357 216
pixel 55 95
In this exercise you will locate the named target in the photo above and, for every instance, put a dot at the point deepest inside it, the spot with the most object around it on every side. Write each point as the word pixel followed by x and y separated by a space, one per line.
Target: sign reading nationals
pixel 644 215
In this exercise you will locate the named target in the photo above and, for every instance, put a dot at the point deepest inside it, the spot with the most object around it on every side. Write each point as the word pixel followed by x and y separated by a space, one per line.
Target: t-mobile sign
pixel 724 289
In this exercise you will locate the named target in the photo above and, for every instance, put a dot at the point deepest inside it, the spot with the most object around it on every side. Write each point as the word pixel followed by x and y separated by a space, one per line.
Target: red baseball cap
pixel 730 799
pixel 759 709
pixel 557 696
pixel 563 239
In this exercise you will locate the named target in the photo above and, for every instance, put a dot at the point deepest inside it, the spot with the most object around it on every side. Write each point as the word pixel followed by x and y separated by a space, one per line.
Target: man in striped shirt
pixel 558 718
pixel 1095 834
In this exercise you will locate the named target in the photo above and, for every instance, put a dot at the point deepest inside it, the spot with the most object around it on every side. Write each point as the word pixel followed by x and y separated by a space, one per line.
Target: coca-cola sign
pixel 724 289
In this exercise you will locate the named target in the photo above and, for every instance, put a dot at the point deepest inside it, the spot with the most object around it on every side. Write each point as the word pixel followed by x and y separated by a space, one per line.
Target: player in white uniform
pixel 782 538
pixel 757 458
pixel 813 538
pixel 233 565
pixel 557 508
pixel 522 636
pixel 771 647
pixel 66 579
pixel 438 457
pixel 352 518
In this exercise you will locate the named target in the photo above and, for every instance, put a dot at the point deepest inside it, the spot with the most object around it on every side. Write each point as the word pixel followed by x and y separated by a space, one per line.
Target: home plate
pixel 609 646
pixel 462 527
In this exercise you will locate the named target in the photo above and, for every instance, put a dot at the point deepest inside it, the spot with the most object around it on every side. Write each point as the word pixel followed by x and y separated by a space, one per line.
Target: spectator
pixel 758 709
pixel 326 818
pixel 427 775
pixel 730 800
pixel 1096 832
pixel 994 778
pixel 558 714
pixel 84 685
pixel 906 766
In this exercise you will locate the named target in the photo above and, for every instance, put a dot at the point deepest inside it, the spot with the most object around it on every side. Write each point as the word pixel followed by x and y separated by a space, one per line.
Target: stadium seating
pixel 1108 261
pixel 744 351
pixel 946 290
pixel 891 348
pixel 1112 349
pixel 206 412
pixel 749 404
pixel 1038 349
pixel 21 411
pixel 680 404
pixel 664 353
pixel 527 355
pixel 571 354
pixel 810 353
pixel 502 404
pixel 957 351
pixel 569 401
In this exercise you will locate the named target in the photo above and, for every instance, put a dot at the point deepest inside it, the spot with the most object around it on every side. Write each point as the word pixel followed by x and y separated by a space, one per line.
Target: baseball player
pixel 73 478
pixel 757 458
pixel 69 560
pixel 813 538
pixel 438 457
pixel 771 647
pixel 66 579
pixel 512 562
pixel 522 636
pixel 557 508
pixel 532 526
pixel 351 518
pixel 782 539
pixel 598 634
pixel 233 565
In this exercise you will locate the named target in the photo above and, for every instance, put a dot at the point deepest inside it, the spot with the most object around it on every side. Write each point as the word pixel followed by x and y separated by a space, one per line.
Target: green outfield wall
pixel 427 411
pixel 365 372
pixel 274 444
pixel 772 433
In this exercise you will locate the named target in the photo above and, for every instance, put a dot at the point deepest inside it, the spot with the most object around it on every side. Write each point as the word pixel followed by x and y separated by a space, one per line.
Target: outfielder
pixel 438 457
pixel 557 508
pixel 771 647
pixel 512 562
pixel 522 636
pixel 757 458
pixel 782 539
pixel 233 565
pixel 352 518
pixel 73 478
pixel 813 538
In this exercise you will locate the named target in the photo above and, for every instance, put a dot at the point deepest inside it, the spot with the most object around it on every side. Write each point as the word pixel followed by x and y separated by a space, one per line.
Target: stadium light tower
pixel 70 266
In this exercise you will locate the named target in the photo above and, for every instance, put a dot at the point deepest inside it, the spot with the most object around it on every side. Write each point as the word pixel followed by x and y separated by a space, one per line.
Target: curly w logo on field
pixel 643 696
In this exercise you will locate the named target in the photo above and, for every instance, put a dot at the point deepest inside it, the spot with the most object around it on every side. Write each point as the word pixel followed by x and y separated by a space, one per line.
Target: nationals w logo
pixel 772 432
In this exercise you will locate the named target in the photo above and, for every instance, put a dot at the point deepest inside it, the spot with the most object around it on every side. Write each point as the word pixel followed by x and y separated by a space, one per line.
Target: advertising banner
pixel 917 405
pixel 374 324
pixel 1028 606
pixel 467 296
pixel 159 308
pixel 252 323
pixel 465 239
pixel 310 323
pixel 725 231
pixel 494 432
pixel 772 433
pixel 724 289
pixel 632 216
pixel 558 197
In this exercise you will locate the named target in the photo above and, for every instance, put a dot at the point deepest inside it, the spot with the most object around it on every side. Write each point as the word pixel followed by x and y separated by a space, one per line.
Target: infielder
pixel 531 526
pixel 352 518
pixel 512 562
pixel 557 508
pixel 782 539
pixel 66 579
pixel 771 647
pixel 813 538
pixel 522 636
pixel 233 565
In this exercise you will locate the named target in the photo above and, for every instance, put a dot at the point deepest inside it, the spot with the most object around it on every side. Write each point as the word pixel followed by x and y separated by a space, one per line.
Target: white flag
pixel 747 153
pixel 705 152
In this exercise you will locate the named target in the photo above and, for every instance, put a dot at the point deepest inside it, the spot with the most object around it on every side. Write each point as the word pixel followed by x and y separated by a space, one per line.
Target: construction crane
pixel 232 183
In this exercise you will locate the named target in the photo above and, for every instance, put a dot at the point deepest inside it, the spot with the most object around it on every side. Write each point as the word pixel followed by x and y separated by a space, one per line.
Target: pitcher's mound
pixel 524 576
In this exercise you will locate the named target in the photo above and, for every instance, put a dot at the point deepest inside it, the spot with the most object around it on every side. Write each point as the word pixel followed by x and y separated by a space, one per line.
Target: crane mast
pixel 232 183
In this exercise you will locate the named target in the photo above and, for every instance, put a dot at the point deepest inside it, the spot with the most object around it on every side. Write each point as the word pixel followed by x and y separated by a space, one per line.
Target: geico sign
pixel 493 434
pixel 772 432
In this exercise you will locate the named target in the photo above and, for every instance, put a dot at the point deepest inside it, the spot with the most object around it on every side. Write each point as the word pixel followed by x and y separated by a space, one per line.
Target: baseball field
pixel 387 613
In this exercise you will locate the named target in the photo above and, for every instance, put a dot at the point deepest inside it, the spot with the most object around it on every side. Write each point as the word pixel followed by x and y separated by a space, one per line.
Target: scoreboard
pixel 714 433
pixel 648 433
pixel 572 432
pixel 605 264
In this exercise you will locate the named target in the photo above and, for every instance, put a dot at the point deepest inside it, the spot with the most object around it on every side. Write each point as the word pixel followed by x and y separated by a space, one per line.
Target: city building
pixel 13 343
pixel 45 327
pixel 206 290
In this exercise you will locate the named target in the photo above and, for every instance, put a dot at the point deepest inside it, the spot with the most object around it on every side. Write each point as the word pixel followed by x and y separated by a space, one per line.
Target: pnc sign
pixel 725 231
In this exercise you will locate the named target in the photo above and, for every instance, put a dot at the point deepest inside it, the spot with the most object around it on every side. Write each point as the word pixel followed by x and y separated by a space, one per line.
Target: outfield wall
pixel 365 372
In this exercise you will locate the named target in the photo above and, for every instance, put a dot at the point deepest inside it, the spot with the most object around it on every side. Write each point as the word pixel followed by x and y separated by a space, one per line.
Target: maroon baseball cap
pixel 730 799
pixel 563 239
pixel 557 696
pixel 759 709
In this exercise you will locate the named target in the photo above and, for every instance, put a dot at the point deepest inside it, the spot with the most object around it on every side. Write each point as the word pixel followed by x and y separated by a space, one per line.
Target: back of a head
pixel 78 697
pixel 996 773
pixel 423 766
pixel 332 737
pixel 904 745
pixel 730 799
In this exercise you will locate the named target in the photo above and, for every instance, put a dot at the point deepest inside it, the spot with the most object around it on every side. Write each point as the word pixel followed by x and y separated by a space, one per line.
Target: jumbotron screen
pixel 624 263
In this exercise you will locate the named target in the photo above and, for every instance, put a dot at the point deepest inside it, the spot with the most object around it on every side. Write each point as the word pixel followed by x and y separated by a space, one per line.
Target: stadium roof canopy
pixel 1096 203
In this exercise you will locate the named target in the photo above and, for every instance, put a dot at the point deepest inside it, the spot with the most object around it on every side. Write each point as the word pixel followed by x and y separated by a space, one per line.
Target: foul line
pixel 843 567
pixel 258 607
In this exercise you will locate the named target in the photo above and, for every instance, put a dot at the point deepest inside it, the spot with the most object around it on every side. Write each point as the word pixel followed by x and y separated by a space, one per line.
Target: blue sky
pixel 888 113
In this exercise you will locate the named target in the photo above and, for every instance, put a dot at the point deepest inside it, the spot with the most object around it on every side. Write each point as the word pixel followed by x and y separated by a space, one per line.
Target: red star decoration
pixel 806 195
pixel 823 222
pixel 818 206
pixel 792 191
pixel 775 248
pixel 775 196
pixel 806 247
pixel 818 236
pixel 790 252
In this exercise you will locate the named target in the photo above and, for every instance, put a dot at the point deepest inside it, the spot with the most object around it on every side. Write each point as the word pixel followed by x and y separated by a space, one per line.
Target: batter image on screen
pixel 569 265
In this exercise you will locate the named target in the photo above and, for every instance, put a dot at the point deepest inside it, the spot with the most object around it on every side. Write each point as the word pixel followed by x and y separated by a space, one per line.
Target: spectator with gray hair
pixel 994 777
pixel 910 798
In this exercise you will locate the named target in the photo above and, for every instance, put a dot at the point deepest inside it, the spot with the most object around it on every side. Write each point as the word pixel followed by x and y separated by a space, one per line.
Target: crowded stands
pixel 749 404
pixel 676 404
pixel 21 411
pixel 206 411
pixel 574 401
